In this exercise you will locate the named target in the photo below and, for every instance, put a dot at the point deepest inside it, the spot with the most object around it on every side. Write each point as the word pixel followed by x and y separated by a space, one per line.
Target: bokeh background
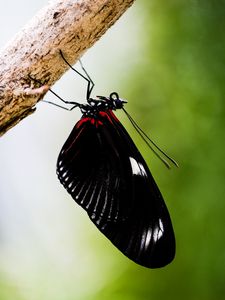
pixel 168 59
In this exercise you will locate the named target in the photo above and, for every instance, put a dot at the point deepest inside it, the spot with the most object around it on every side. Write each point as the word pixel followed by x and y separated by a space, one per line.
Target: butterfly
pixel 104 172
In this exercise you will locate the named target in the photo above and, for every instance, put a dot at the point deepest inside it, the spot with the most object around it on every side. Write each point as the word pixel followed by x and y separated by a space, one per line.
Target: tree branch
pixel 70 25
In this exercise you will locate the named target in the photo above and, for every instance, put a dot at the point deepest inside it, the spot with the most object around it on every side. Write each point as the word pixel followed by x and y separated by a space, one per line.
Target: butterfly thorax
pixel 102 104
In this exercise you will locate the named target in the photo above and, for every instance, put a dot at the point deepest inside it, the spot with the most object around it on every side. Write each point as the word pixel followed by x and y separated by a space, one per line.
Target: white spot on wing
pixel 64 174
pixel 158 231
pixel 148 238
pixel 137 168
pixel 70 185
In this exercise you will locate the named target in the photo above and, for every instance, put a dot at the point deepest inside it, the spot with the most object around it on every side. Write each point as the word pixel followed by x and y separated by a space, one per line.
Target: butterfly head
pixel 113 102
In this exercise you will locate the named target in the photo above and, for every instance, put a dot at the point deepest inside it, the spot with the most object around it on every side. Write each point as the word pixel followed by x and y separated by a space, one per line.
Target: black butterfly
pixel 103 171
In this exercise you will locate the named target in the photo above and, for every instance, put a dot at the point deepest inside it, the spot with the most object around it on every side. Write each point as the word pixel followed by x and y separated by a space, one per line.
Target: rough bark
pixel 70 25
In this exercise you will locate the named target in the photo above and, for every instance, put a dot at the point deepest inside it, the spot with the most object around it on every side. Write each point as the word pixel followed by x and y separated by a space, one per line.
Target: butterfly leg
pixel 90 83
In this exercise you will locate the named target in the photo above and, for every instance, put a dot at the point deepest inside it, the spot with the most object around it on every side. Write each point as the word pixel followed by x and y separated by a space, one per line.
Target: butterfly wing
pixel 89 166
pixel 104 172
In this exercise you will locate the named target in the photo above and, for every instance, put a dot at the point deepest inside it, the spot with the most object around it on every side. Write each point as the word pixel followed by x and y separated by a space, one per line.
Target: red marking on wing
pixel 82 121
pixel 109 115
pixel 99 120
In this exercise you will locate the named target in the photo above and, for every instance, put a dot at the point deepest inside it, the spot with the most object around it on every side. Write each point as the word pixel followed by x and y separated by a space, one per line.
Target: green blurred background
pixel 167 58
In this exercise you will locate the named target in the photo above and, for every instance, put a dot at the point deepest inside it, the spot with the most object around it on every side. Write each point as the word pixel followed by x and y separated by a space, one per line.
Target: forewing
pixel 104 172
pixel 147 236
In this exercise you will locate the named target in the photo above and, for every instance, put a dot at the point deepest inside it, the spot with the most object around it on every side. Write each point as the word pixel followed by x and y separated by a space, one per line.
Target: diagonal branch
pixel 70 25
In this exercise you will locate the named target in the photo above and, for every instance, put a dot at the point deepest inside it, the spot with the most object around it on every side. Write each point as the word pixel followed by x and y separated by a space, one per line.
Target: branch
pixel 70 25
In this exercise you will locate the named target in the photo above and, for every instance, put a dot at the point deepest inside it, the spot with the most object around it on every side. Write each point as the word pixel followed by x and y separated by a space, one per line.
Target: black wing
pixel 104 172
